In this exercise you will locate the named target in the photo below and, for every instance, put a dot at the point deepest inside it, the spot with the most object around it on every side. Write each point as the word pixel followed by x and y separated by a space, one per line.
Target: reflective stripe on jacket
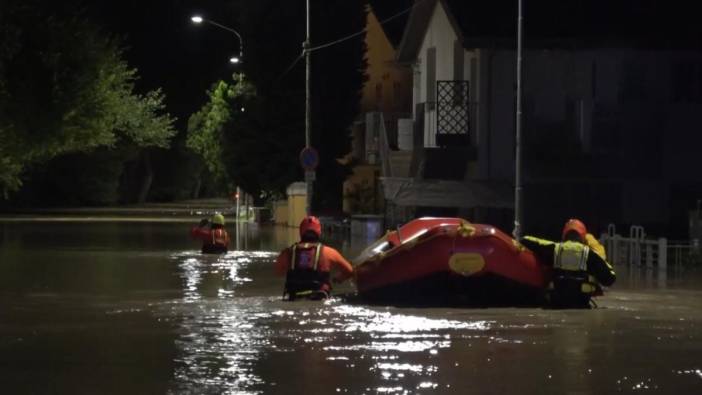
pixel 570 256
pixel 219 237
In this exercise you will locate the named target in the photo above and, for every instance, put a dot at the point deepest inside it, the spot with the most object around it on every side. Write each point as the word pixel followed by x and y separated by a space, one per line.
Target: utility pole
pixel 308 113
pixel 237 228
pixel 518 216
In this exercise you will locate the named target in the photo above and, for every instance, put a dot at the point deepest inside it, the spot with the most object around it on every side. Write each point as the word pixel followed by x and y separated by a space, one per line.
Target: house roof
pixel 385 9
pixel 417 24
pixel 557 23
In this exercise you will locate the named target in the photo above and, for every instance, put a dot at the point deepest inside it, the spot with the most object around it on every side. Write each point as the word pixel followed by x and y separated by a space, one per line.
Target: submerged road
pixel 115 308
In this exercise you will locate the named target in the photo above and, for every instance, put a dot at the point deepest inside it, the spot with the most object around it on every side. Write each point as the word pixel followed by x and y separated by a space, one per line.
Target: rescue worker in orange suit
pixel 308 265
pixel 215 239
pixel 580 268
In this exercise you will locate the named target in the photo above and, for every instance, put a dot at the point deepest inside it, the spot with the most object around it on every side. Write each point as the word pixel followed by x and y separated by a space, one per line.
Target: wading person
pixel 215 239
pixel 579 266
pixel 308 264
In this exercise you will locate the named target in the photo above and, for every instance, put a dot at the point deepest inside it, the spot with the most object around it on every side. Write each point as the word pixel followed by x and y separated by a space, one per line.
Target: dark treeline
pixel 108 118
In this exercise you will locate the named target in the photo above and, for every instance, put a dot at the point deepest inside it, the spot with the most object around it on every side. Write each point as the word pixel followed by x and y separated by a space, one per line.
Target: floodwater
pixel 133 308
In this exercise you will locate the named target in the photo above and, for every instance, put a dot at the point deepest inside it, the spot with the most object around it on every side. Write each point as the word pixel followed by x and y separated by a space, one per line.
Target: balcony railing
pixel 453 115
pixel 427 119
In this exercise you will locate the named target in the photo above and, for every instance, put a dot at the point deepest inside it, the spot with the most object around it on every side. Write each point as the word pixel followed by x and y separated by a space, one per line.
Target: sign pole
pixel 309 159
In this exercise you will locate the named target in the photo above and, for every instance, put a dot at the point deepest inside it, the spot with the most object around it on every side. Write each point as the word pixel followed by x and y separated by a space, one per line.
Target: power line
pixel 294 62
pixel 365 29
pixel 350 36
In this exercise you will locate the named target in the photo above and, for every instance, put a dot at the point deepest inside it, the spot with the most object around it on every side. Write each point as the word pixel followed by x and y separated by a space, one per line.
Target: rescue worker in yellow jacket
pixel 308 264
pixel 579 264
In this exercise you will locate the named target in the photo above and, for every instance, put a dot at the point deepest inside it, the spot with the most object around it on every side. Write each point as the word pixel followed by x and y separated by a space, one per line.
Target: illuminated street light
pixel 197 19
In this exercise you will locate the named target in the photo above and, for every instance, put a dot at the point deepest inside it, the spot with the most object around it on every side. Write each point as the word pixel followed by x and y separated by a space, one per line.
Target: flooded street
pixel 134 308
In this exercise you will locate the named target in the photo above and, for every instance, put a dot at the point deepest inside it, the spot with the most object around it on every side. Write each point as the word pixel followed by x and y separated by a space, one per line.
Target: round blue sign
pixel 309 158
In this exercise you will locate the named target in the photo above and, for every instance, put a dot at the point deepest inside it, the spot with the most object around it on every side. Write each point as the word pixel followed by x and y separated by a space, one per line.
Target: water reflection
pixel 226 335
pixel 399 351
pixel 236 335
pixel 219 340
pixel 642 277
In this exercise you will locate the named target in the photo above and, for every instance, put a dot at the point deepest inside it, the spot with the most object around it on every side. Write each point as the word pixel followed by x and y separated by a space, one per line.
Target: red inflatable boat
pixel 449 261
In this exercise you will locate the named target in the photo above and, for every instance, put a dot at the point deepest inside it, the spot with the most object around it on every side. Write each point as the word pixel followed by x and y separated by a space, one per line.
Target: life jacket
pixel 219 240
pixel 304 278
pixel 572 285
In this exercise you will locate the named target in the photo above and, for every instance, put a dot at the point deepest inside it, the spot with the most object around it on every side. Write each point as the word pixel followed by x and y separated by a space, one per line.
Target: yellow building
pixel 387 90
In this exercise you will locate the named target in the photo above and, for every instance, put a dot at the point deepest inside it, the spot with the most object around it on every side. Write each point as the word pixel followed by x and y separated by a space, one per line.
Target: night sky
pixel 168 49
pixel 185 59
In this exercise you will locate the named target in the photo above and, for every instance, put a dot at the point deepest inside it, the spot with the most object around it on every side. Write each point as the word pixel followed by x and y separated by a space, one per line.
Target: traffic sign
pixel 309 158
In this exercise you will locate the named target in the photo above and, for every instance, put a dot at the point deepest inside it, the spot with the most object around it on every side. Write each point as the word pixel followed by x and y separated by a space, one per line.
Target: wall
pixel 297 199
pixel 620 113
pixel 388 88
pixel 280 212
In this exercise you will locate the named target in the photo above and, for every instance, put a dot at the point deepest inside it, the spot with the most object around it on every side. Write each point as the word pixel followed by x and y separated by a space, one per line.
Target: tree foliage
pixel 65 88
pixel 206 127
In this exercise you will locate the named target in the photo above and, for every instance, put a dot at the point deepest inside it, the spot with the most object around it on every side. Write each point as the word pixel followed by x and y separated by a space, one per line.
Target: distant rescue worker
pixel 579 265
pixel 215 239
pixel 308 264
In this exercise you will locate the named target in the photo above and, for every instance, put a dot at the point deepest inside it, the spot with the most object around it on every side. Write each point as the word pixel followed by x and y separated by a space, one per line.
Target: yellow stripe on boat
pixel 466 263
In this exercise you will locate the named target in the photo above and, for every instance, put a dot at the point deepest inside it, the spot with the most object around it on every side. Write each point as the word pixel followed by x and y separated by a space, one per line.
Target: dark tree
pixel 65 89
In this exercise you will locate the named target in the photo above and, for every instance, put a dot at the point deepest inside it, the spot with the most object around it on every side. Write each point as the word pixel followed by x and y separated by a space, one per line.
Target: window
pixel 593 80
pixel 379 95
pixel 458 55
pixel 632 82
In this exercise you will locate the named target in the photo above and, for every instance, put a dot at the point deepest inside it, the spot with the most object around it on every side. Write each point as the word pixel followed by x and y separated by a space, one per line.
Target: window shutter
pixel 458 55
pixel 431 75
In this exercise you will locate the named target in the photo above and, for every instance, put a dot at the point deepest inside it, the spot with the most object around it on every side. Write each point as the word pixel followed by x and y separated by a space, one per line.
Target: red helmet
pixel 311 223
pixel 574 225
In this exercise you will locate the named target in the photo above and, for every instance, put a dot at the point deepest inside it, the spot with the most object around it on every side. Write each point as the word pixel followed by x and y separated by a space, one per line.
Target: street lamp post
pixel 308 113
pixel 518 216
pixel 197 19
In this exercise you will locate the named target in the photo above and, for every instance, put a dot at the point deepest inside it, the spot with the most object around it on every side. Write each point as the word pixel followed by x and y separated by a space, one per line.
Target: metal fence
pixel 638 249
pixel 635 249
